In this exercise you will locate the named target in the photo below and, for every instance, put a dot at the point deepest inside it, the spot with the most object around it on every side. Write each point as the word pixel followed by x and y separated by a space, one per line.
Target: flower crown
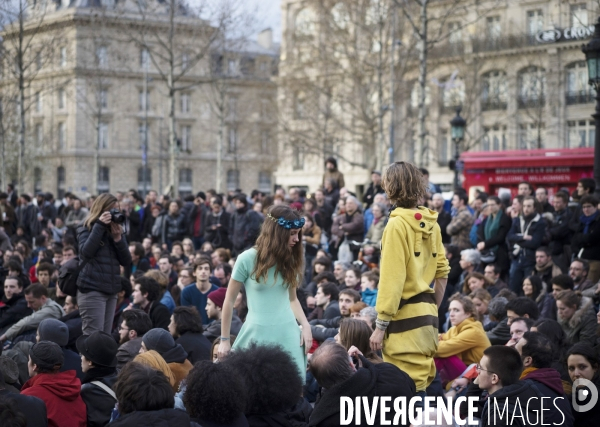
pixel 288 224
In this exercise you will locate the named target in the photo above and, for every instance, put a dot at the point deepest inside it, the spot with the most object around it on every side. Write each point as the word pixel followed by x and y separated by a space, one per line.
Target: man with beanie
pixel 57 332
pixel 214 311
pixel 32 407
pixel 98 361
pixel 60 391
pixel 163 343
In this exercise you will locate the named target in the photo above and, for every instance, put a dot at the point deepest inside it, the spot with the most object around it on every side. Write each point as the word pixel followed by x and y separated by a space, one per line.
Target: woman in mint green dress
pixel 270 272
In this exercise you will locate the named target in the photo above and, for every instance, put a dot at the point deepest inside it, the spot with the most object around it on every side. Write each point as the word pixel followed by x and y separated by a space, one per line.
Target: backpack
pixel 68 275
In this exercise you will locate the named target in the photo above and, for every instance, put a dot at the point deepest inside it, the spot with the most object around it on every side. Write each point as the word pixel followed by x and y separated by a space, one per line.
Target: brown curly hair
pixel 404 184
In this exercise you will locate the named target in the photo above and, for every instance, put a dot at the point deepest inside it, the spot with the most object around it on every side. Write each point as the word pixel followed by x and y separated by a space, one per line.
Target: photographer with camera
pixel 103 250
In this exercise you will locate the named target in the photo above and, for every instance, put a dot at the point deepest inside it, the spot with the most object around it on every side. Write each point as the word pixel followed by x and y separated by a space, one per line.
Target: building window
pixel 185 102
pixel 494 93
pixel 185 182
pixel 103 135
pixel 264 181
pixel 141 180
pixel 494 138
pixel 232 106
pixel 38 102
pixel 454 93
pixel 578 89
pixel 493 28
pixel 265 142
pixel 185 61
pixel 579 15
pixel 144 100
pixel 39 134
pixel 186 144
pixel 232 140
pixel 63 57
pixel 300 105
pixel 535 22
pixel 37 180
pixel 61 182
pixel 445 151
pixel 101 56
pixel 144 58
pixel 62 135
pixel 415 96
pixel 62 99
pixel 233 179
pixel 103 98
pixel 531 136
pixel 142 129
pixel 103 180
pixel 297 158
pixel 580 133
pixel 454 33
pixel 532 85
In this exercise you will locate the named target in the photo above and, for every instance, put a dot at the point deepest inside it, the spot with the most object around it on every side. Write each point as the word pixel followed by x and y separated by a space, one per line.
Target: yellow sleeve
pixel 463 341
pixel 443 266
pixel 394 259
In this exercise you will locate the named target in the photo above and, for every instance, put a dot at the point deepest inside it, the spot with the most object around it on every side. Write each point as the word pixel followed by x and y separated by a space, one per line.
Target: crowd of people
pixel 300 297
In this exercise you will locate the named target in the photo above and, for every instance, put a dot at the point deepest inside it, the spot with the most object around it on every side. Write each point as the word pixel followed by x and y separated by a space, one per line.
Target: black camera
pixel 117 216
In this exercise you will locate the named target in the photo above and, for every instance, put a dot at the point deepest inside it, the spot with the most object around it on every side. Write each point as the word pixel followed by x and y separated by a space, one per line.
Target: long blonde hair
pixel 103 203
pixel 273 250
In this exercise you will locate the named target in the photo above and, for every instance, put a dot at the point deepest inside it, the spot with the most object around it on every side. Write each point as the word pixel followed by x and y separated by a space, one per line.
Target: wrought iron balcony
pixel 580 97
pixel 493 104
pixel 531 101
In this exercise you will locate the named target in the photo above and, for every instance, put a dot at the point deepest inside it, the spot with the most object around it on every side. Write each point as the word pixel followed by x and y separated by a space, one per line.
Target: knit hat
pixel 47 355
pixel 100 348
pixel 54 331
pixel 9 370
pixel 158 339
pixel 218 296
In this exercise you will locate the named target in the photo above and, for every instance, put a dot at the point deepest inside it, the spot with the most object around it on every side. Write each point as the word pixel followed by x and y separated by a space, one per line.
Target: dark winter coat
pixel 197 212
pixel 537 229
pixel 244 229
pixel 13 310
pixel 98 402
pixel 383 379
pixel 499 239
pixel 444 218
pixel 371 192
pixel 297 416
pixel 134 227
pixel 27 218
pixel 174 227
pixel 105 257
pixel 546 305
pixel 160 315
pixel 559 231
pixel 196 345
pixel 352 224
pixel 33 407
pixel 589 242
pixel 581 327
pixel 160 418
pixel 219 237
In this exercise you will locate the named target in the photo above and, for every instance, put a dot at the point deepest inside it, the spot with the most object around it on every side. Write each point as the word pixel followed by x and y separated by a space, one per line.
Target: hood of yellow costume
pixel 422 222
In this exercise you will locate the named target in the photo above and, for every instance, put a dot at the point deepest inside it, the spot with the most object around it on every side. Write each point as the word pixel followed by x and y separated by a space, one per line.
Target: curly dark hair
pixel 10 416
pixel 187 319
pixel 270 373
pixel 141 388
pixel 206 398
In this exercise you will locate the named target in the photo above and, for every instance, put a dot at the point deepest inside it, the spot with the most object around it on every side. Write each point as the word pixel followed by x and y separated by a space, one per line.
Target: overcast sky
pixel 269 15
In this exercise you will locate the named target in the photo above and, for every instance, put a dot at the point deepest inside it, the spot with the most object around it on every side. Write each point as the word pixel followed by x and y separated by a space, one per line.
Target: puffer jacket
pixel 581 327
pixel 174 227
pixel 98 402
pixel 13 310
pixel 102 273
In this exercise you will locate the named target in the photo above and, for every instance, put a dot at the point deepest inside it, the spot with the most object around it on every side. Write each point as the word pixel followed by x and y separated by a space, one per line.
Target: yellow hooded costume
pixel 412 256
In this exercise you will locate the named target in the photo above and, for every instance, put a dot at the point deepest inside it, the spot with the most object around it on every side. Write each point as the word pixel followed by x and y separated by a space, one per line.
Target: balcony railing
pixel 447 49
pixel 488 44
pixel 531 101
pixel 493 104
pixel 580 97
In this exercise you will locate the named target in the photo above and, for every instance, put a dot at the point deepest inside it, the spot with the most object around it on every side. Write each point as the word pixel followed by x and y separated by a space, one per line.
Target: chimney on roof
pixel 265 38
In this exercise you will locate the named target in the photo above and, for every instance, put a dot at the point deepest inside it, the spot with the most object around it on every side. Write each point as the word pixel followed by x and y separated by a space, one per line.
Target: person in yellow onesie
pixel 413 277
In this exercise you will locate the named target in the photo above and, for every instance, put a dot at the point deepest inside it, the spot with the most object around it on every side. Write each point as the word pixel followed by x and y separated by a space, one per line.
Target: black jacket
pixel 105 257
pixel 219 237
pixel 33 408
pixel 160 418
pixel 72 362
pixel 174 227
pixel 443 219
pixel 196 345
pixel 244 229
pixel 370 193
pixel 297 416
pixel 74 324
pixel 13 310
pixel 500 335
pixel 160 315
pixel 142 265
pixel 134 227
pixel 98 402
pixel 559 231
pixel 536 230
pixel 196 212
pixel 499 239
pixel 589 242
pixel 382 379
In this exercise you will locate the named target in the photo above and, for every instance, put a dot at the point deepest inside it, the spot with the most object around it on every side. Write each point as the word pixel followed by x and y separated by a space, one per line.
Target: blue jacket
pixel 369 297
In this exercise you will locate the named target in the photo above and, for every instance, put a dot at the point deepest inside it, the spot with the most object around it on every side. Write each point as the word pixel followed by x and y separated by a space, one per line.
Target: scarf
pixel 587 220
pixel 491 227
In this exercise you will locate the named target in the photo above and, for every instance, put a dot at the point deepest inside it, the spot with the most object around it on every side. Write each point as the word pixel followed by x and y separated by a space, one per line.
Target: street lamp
pixel 457 130
pixel 592 57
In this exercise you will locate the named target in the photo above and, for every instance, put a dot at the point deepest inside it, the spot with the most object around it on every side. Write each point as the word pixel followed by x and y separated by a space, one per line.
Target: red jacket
pixel 61 394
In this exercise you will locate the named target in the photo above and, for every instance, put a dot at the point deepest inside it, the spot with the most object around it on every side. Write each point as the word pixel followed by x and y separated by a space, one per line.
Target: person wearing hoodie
pixel 57 332
pixel 176 357
pixel 244 225
pixel 407 306
pixel 98 362
pixel 186 328
pixel 43 308
pixel 60 391
pixel 13 306
pixel 214 310
pixel 524 237
pixel 577 317
pixel 145 398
